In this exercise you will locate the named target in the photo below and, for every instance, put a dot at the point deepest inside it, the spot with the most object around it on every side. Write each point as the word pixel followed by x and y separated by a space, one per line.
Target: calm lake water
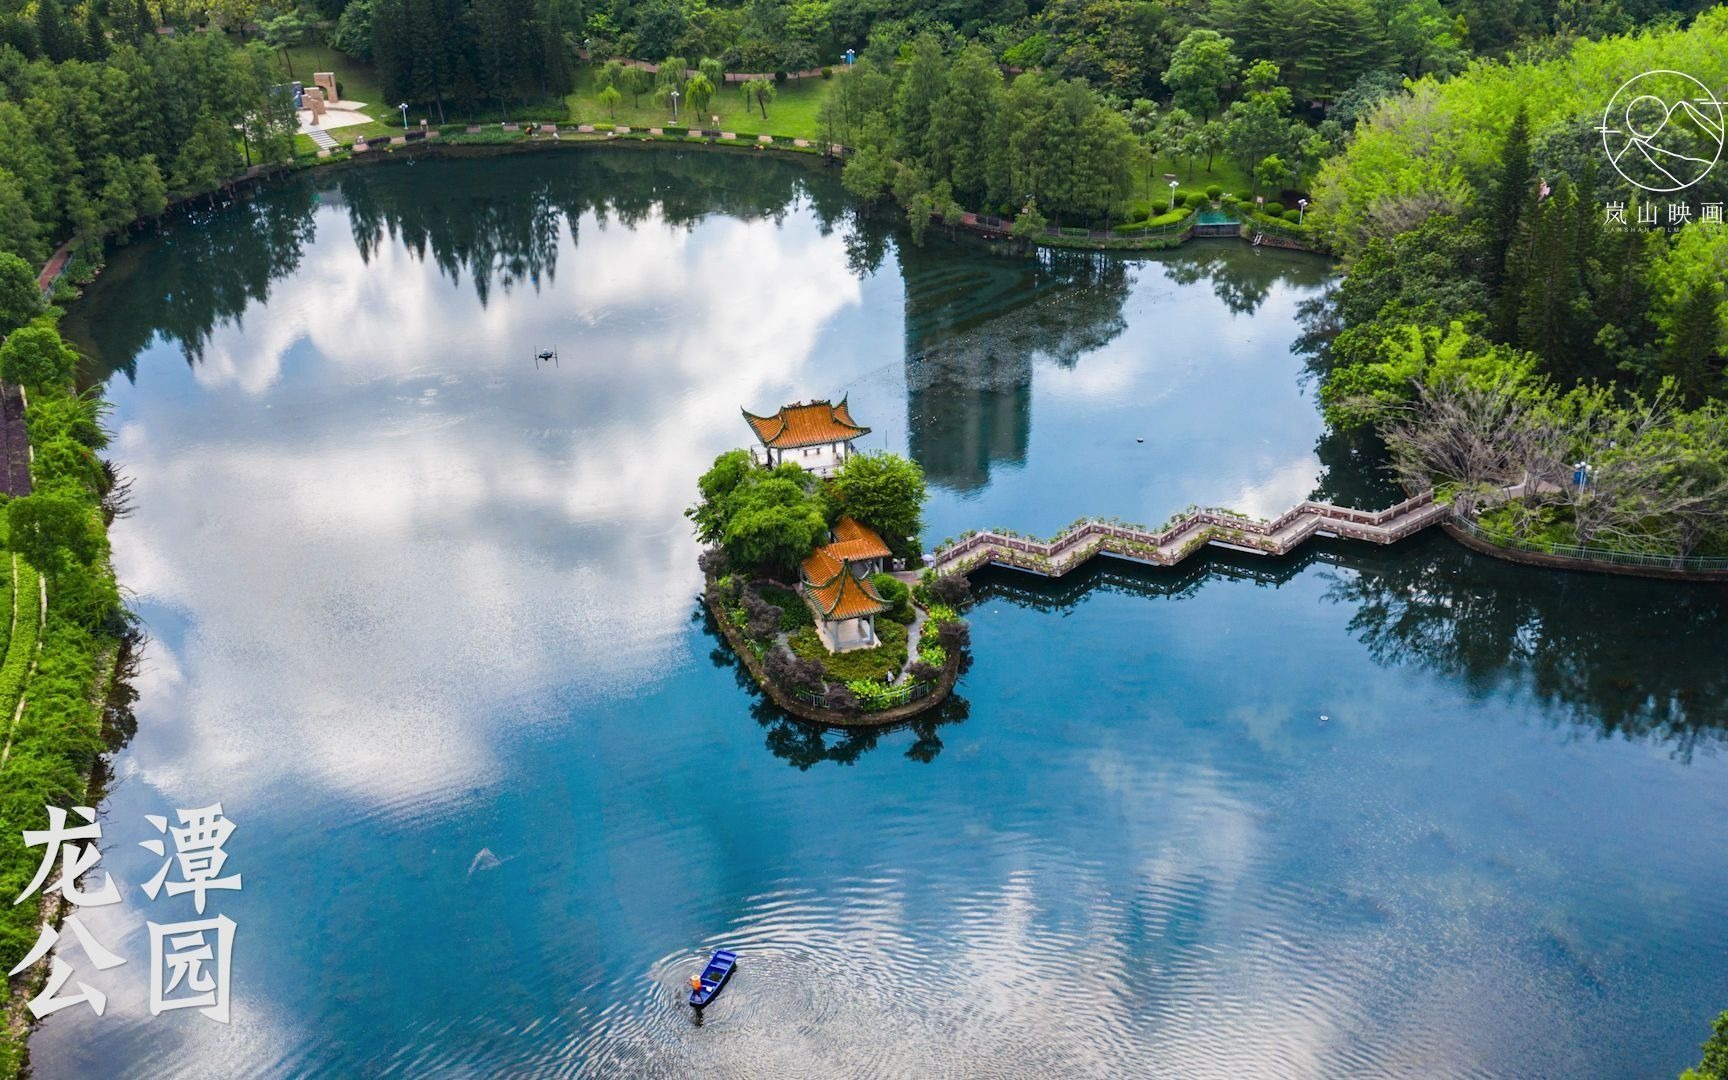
pixel 423 619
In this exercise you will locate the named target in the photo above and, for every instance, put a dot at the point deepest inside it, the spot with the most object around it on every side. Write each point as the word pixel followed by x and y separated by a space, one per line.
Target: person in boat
pixel 696 983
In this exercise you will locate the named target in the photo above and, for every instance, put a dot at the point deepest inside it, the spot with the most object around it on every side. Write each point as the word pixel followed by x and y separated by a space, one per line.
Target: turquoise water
pixel 423 618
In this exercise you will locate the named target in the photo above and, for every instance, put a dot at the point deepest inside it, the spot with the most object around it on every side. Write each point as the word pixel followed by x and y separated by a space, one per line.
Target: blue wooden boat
pixel 714 976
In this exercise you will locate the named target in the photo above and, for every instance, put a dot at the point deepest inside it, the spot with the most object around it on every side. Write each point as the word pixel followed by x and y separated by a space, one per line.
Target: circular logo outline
pixel 1607 128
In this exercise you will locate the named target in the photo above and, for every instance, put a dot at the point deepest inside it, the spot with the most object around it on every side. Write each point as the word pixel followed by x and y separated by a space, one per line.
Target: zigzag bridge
pixel 1187 534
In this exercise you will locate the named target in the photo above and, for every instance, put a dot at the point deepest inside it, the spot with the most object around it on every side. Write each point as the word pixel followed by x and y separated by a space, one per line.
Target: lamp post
pixel 404 108
pixel 1301 210
pixel 850 57
pixel 674 106
pixel 1173 195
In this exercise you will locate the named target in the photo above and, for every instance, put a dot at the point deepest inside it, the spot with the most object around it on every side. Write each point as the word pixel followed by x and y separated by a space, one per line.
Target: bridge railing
pixel 1202 525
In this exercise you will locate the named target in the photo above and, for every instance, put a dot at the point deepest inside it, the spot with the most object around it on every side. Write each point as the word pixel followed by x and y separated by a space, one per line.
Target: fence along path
pixel 1188 534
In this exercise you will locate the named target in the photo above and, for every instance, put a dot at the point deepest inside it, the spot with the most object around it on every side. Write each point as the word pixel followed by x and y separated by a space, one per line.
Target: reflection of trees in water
pixel 205 269
pixel 1613 656
pixel 975 324
pixel 1354 464
pixel 503 226
pixel 1354 471
pixel 803 744
pixel 499 226
pixel 1620 656
pixel 978 319
pixel 1242 280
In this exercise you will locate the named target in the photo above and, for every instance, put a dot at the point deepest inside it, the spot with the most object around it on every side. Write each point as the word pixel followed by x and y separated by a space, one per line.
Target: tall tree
pixel 1200 69
pixel 1514 190
pixel 922 84
pixel 963 121
pixel 58 37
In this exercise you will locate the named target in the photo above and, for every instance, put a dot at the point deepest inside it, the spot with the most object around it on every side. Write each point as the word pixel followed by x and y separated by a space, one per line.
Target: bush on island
pixel 1274 209
pixel 761 619
pixel 1215 192
pixel 793 672
pixel 712 562
pixel 895 591
pixel 951 589
pixel 954 636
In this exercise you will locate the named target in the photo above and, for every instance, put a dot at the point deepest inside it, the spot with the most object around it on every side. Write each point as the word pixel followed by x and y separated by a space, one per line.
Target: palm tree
pixel 762 90
pixel 1177 127
pixel 1142 118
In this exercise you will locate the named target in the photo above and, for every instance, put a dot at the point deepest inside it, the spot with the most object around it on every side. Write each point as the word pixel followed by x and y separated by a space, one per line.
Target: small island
pixel 809 571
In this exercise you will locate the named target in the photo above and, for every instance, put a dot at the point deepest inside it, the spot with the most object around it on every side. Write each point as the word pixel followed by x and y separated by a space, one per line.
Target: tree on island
pixel 768 520
pixel 886 492
pixel 765 520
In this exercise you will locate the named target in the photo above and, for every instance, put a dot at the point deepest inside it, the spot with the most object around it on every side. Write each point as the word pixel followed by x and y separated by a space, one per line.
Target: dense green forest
pixel 1511 311
pixel 88 145
pixel 1061 110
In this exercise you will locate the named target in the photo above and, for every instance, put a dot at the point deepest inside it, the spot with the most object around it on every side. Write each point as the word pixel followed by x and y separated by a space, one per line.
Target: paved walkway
pixel 1188 534
pixel 14 443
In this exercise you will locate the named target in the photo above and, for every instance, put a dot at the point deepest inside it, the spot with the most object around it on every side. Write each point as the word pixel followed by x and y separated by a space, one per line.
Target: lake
pixel 422 616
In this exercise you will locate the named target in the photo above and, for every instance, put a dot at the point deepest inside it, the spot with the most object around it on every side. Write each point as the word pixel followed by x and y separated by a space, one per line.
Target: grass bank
pixel 65 628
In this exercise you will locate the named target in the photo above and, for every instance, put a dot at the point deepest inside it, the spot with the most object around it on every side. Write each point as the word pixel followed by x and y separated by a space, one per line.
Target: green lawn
pixel 791 113
pixel 888 657
pixel 1226 173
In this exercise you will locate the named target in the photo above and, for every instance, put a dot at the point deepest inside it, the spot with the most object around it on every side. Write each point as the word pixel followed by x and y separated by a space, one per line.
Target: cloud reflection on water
pixel 433 510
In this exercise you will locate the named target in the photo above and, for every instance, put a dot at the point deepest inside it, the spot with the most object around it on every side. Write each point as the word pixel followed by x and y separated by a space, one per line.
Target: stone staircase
pixel 323 139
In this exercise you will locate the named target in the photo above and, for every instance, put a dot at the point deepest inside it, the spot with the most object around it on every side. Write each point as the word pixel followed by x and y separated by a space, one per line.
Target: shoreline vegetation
pixel 69 640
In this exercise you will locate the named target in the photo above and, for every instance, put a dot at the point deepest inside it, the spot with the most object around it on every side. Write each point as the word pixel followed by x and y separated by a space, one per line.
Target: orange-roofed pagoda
pixel 815 434
pixel 836 585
